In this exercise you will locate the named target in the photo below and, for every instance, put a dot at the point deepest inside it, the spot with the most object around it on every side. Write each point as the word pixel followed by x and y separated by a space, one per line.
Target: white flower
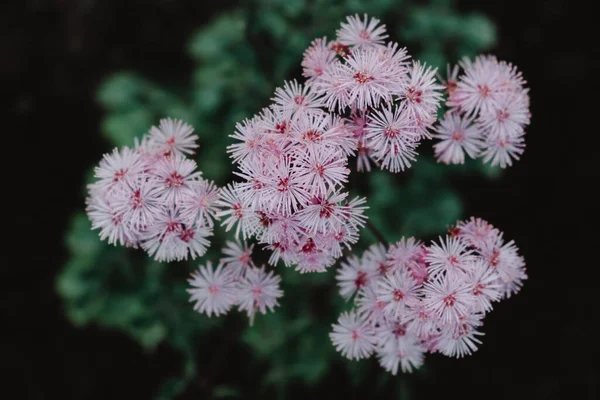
pixel 458 135
pixel 353 336
pixel 173 137
pixel 213 290
pixel 361 33
pixel 258 291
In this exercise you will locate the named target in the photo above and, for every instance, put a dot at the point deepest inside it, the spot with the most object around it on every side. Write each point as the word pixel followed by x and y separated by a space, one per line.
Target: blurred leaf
pixel 224 391
pixel 225 30
pixel 120 91
pixel 122 128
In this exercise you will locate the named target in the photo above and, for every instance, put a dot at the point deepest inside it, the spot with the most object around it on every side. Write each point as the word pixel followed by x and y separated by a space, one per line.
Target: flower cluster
pixel 411 299
pixel 152 196
pixel 235 281
pixel 292 159
pixel 362 97
pixel 489 110
pixel 388 102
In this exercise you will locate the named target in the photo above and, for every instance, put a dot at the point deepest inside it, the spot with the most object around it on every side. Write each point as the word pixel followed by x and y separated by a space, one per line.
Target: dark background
pixel 55 53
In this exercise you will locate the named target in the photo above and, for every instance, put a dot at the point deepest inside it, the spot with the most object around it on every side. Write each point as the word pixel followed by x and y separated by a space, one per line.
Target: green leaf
pixel 122 128
pixel 224 391
pixel 120 91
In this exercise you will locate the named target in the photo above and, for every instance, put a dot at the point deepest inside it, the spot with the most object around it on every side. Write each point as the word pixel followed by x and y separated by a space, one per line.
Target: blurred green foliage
pixel 241 56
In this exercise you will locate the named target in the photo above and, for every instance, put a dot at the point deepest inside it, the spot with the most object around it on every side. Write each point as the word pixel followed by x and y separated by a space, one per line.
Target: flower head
pixel 458 136
pixel 361 33
pixel 353 336
pixel 213 291
pixel 258 291
pixel 173 137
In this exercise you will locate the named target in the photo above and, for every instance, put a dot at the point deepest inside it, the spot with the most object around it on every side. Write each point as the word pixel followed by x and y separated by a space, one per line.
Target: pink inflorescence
pixel 235 282
pixel 488 113
pixel 411 299
pixel 362 98
pixel 152 196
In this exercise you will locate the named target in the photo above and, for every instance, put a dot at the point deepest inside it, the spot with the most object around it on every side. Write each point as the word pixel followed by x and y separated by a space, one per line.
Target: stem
pixel 378 235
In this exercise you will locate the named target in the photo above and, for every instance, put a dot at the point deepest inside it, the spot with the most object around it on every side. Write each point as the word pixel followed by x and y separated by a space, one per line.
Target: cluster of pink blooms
pixel 411 299
pixel 235 282
pixel 488 113
pixel 363 98
pixel 389 103
pixel 152 196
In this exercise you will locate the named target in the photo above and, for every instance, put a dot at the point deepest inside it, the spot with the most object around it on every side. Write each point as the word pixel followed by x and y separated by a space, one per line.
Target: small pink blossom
pixel 502 151
pixel 317 58
pixel 449 257
pixel 238 258
pixel 258 291
pixel 353 276
pixel 173 137
pixel 213 291
pixel 400 291
pixel 361 33
pixel 353 336
pixel 458 136
pixel 460 338
pixel 448 298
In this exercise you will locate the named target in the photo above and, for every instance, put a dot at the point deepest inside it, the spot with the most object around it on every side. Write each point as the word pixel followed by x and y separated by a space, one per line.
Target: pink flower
pixel 173 137
pixel 316 260
pixel 319 169
pixel 173 177
pixel 451 80
pixel 236 213
pixel 400 291
pixel 250 138
pixel 238 258
pixel 460 338
pixel 294 97
pixel 138 203
pixel 477 233
pixel 375 258
pixel 421 94
pixel 170 239
pixel 122 166
pixel 449 257
pixel 325 131
pixel 508 118
pixel 284 191
pixel 361 33
pixel 398 347
pixel 317 58
pixel 353 275
pixel 258 291
pixel 448 298
pixel 200 205
pixel 392 136
pixel 353 336
pixel 420 321
pixel 110 222
pixel 485 285
pixel 369 305
pixel 213 291
pixel 504 258
pixel 404 253
pixel 478 89
pixel 357 125
pixel 458 135
pixel 502 151
pixel 360 82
